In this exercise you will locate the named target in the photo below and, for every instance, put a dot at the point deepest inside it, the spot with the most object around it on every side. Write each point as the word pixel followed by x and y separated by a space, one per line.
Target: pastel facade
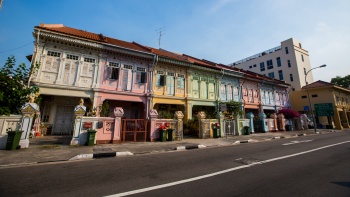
pixel 323 92
pixel 77 64
pixel 138 79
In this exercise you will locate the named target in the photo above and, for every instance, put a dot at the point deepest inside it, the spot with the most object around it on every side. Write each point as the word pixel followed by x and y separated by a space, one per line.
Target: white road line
pixel 220 172
pixel 296 142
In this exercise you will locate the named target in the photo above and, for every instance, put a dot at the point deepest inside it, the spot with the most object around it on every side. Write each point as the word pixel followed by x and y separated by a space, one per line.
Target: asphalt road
pixel 317 165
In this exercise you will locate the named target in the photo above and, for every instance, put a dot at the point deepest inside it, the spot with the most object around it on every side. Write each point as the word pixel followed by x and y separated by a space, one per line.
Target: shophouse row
pixel 111 73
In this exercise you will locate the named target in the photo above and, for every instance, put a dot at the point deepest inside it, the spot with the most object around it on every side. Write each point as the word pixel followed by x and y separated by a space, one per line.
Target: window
pixel 278 62
pixel 302 57
pixel 223 92
pixel 286 50
pixel 262 66
pixel 127 77
pixel 269 64
pixel 291 77
pixel 72 57
pixel 181 81
pixel 272 74
pixel 280 74
pixel 254 65
pixel 53 54
pixel 195 87
pixel 170 83
pixel 211 89
pixel 229 92
pixel 113 71
pixel 314 95
pixel 141 75
pixel 303 97
pixel 289 65
pixel 203 88
pixel 160 78
pixel 250 67
pixel 89 60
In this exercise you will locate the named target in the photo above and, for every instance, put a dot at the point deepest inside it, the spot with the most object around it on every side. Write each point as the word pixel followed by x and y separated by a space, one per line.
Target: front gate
pixel 134 130
pixel 229 127
pixel 63 121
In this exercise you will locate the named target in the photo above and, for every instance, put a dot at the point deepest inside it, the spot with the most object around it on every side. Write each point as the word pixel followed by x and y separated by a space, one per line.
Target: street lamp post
pixel 308 95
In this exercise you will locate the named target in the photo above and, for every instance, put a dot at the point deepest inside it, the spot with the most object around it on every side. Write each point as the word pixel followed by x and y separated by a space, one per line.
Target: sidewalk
pixel 39 153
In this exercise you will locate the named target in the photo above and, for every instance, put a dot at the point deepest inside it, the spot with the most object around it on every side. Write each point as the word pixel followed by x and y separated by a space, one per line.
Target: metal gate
pixel 63 121
pixel 134 130
pixel 229 127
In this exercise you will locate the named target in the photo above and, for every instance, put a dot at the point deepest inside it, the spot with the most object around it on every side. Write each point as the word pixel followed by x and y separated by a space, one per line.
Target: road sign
pixel 324 109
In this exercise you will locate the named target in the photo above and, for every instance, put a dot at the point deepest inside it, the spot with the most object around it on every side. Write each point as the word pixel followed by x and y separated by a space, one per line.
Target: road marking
pixel 296 142
pixel 220 172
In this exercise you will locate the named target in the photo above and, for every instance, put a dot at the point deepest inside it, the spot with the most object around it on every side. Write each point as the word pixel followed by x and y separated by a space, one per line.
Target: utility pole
pixel 161 33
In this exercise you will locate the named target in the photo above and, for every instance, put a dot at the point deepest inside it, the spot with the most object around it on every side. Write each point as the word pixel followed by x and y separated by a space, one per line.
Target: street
pixel 316 165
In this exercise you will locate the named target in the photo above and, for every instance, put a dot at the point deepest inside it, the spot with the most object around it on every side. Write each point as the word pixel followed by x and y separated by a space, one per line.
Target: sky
pixel 222 31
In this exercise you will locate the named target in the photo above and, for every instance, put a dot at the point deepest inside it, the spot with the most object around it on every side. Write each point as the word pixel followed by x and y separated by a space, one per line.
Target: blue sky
pixel 222 31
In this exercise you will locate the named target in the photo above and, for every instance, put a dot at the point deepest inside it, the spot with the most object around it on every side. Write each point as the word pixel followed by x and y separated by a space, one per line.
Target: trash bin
pixel 215 133
pixel 289 128
pixel 91 137
pixel 13 139
pixel 162 135
pixel 246 130
pixel 170 134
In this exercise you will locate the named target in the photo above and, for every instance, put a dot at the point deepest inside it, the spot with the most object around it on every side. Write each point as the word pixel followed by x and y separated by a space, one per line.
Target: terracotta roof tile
pixel 318 84
pixel 59 28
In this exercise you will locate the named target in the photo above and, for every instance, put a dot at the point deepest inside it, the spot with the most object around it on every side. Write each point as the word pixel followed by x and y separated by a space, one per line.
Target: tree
pixel 288 113
pixel 14 92
pixel 341 81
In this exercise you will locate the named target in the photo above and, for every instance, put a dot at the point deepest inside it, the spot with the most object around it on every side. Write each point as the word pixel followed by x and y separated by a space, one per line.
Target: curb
pixel 100 155
pixel 243 141
pixel 189 147
pixel 279 137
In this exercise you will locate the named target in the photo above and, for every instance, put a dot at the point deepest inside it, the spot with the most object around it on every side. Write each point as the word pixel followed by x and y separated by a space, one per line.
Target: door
pixel 63 121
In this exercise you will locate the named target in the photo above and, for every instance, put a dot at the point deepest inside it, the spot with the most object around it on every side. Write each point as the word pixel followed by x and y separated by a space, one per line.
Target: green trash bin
pixel 91 137
pixel 13 139
pixel 170 134
pixel 215 133
pixel 162 134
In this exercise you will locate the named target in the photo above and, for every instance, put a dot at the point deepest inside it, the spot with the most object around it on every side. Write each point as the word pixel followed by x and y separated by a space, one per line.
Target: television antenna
pixel 161 33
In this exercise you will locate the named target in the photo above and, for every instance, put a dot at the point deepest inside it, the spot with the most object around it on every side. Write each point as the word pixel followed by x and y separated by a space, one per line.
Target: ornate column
pixel 220 116
pixel 281 125
pixel 79 112
pixel 118 113
pixel 274 117
pixel 80 65
pixel 28 110
pixel 153 115
pixel 250 115
pixel 201 118
pixel 61 67
pixel 264 126
pixel 179 134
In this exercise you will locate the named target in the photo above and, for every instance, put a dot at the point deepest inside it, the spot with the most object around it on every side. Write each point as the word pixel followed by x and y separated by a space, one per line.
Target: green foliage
pixel 165 115
pixel 105 109
pixel 233 108
pixel 14 93
pixel 341 81
pixel 192 126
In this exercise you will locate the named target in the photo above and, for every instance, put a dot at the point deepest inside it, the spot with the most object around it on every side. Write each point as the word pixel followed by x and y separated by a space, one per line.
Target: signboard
pixel 223 107
pixel 324 109
pixel 306 108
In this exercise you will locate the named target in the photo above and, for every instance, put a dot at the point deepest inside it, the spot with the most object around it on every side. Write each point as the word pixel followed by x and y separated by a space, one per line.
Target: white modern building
pixel 287 62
